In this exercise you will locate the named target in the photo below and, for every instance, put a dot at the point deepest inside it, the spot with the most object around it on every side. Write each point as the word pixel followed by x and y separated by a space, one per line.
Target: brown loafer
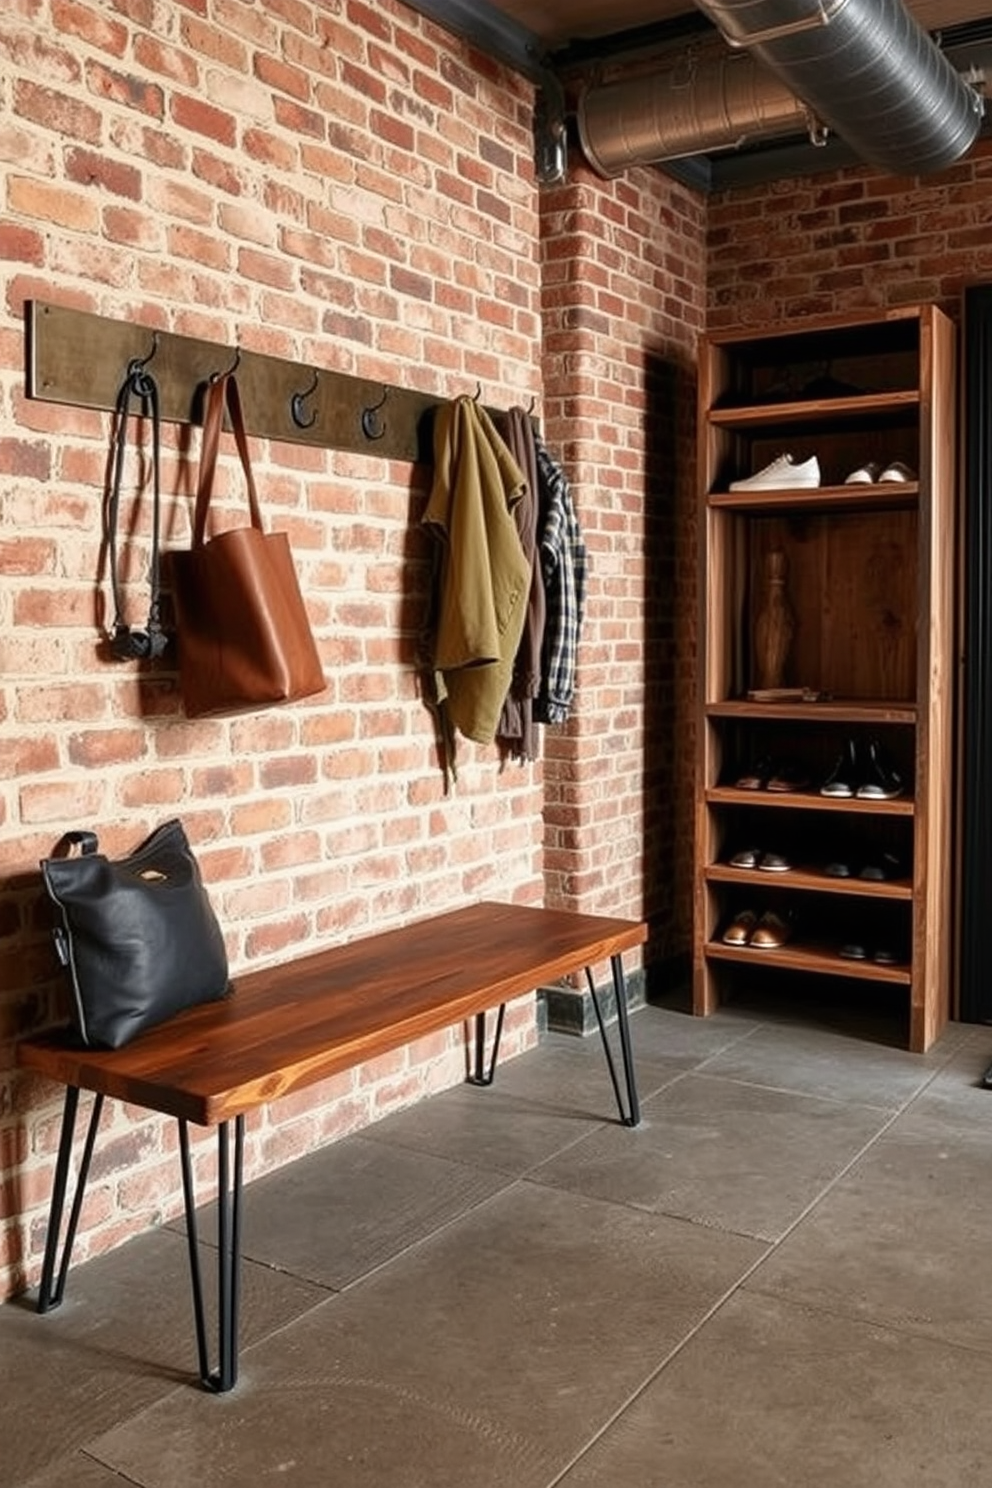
pixel 770 932
pixel 738 932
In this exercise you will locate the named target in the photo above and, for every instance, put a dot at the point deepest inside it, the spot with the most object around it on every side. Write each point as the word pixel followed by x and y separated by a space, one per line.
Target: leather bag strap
pixel 221 391
pixel 140 385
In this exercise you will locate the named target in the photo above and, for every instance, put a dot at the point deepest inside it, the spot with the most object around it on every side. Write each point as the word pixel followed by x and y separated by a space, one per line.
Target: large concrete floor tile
pixel 665 1033
pixel 486 1128
pixel 824 1063
pixel 902 1239
pixel 738 1156
pixel 77 1471
pixel 123 1337
pixel 486 1357
pixel 771 1395
pixel 572 1076
pixel 539 1104
pixel 957 1097
pixel 339 1213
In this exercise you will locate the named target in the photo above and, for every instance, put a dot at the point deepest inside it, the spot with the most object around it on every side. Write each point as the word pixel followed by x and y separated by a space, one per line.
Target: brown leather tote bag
pixel 244 637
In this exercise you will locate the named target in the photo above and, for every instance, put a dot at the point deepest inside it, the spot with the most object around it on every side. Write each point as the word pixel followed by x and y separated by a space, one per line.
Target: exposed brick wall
pixel 339 185
pixel 848 241
pixel 624 304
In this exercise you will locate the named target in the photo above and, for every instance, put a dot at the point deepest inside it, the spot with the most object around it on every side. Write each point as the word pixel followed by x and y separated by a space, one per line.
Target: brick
pixel 27 756
pixel 292 116
pixel 88 168
pixel 53 204
pixel 127 89
pixel 68 801
pixel 203 118
pixel 277 74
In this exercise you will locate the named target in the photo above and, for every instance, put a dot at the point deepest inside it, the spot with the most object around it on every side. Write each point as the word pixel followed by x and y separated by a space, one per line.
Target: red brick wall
pixel 353 190
pixel 849 240
pixel 624 303
pixel 341 186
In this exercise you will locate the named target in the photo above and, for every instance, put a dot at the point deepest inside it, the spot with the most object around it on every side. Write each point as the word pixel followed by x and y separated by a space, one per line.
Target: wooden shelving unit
pixel 869 583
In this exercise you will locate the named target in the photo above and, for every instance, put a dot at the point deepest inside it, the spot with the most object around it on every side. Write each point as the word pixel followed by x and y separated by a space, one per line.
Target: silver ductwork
pixel 865 68
pixel 690 106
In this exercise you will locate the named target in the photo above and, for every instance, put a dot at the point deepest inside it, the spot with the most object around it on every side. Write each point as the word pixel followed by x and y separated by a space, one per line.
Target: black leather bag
pixel 138 938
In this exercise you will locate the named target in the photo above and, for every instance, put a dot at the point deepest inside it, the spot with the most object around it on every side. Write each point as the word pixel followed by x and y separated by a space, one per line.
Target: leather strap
pixel 221 390
pixel 125 643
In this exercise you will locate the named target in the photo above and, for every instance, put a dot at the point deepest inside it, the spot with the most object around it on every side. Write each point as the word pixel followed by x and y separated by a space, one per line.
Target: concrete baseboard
pixel 569 1009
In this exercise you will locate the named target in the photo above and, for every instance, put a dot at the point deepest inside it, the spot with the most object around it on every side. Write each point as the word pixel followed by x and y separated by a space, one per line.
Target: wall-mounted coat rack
pixel 78 358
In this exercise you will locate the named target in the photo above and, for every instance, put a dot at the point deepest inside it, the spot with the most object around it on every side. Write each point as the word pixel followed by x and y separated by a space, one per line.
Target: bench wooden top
pixel 286 1026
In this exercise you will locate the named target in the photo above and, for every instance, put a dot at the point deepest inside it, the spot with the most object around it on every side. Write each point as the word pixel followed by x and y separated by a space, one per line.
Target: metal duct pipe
pixel 867 69
pixel 692 106
pixel 863 67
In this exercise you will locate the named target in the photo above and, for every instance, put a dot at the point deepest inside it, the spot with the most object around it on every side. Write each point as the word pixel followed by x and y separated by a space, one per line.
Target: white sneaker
pixel 781 474
pixel 898 472
pixel 866 474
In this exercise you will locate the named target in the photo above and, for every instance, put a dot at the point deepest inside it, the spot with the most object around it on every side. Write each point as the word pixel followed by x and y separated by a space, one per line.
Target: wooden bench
pixel 285 1027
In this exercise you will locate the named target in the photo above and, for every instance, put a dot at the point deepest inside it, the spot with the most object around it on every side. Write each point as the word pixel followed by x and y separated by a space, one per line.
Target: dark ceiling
pixel 560 43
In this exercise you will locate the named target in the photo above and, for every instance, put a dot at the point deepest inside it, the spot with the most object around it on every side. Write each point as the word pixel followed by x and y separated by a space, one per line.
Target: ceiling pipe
pixel 691 106
pixel 864 68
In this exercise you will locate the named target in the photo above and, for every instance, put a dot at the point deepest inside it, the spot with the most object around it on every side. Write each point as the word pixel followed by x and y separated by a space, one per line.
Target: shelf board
pixel 729 795
pixel 796 500
pixel 809 879
pixel 823 960
pixel 800 410
pixel 836 710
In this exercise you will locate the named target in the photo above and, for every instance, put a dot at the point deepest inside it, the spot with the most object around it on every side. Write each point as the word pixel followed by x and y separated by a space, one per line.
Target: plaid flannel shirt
pixel 563 565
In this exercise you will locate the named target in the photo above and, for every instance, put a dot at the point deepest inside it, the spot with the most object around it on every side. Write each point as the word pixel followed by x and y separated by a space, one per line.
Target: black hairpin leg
pixel 630 1114
pixel 50 1296
pixel 229 1187
pixel 482 1075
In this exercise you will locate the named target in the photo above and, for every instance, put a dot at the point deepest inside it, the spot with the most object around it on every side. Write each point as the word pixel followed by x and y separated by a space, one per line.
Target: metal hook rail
pixel 75 357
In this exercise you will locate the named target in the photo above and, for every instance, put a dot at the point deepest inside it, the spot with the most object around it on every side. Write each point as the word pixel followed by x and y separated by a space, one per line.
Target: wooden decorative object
pixel 775 625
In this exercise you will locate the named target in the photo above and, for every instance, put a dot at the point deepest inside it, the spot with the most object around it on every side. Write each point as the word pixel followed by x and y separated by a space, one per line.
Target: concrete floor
pixel 782 1279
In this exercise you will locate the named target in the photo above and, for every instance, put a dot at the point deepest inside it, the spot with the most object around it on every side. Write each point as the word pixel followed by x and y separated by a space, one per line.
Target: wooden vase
pixel 775 625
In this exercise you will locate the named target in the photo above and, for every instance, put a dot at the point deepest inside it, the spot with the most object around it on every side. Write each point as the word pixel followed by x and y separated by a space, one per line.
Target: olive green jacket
pixel 484 575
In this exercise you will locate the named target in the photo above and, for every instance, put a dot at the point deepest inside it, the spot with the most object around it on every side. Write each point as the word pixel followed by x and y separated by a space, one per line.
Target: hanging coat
pixel 483 577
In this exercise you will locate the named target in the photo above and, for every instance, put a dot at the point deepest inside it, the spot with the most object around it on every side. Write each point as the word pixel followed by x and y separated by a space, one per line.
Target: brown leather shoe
pixel 770 932
pixel 738 932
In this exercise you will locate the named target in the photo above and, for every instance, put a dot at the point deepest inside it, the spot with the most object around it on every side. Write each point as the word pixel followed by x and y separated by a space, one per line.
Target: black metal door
pixel 975 975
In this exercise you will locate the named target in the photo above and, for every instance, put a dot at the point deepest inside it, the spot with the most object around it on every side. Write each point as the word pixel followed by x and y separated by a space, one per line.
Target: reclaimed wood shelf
pixel 868 574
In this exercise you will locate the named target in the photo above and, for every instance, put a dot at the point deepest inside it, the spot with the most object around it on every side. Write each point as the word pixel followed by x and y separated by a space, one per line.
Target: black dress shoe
pixel 756 778
pixel 787 777
pixel 881 781
pixel 843 778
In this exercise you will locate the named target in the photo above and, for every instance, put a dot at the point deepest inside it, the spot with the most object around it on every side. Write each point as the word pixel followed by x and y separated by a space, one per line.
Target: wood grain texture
pixel 287 1026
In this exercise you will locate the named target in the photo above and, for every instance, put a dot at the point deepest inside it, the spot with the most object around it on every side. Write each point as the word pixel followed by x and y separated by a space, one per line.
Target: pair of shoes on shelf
pixel 880 869
pixel 766 932
pixel 873 473
pixel 783 473
pixel 856 950
pixel 869 778
pixel 778 777
pixel 767 862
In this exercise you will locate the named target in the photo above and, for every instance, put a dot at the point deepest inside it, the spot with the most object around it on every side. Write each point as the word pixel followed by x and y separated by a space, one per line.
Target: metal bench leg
pixel 229 1191
pixel 482 1075
pixel 50 1296
pixel 630 1114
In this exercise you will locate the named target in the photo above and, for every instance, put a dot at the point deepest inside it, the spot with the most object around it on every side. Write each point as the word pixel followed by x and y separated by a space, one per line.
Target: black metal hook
pixel 478 392
pixel 531 406
pixel 137 365
pixel 216 376
pixel 372 427
pixel 297 401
